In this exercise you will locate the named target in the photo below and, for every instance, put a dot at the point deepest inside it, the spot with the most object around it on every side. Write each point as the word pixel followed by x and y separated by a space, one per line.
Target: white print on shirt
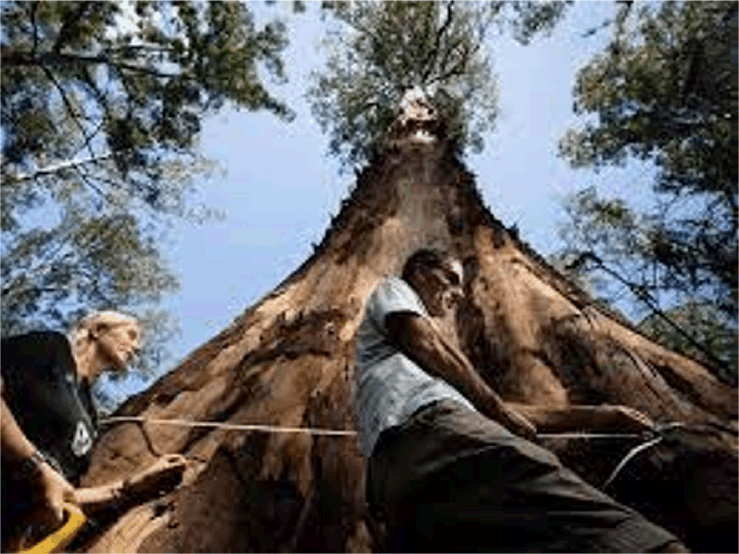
pixel 82 440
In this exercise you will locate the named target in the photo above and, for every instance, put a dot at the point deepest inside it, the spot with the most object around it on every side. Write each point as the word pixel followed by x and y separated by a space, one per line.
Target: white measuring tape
pixel 228 426
pixel 648 443
pixel 320 431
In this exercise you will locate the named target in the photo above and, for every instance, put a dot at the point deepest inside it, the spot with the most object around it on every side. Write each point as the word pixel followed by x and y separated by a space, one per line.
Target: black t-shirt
pixel 52 407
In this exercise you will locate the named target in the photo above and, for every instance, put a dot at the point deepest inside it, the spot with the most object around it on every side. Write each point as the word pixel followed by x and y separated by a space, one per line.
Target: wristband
pixel 32 464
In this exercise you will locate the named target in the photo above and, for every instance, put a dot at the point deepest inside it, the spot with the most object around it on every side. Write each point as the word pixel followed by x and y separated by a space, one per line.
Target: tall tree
pixel 287 362
pixel 664 91
pixel 380 50
pixel 102 104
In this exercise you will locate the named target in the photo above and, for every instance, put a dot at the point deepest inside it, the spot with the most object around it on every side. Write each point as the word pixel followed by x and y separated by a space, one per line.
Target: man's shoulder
pixel 393 294
pixel 393 284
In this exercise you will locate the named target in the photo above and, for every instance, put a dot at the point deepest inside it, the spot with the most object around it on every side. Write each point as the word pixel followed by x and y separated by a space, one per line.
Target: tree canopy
pixel 664 91
pixel 380 50
pixel 102 104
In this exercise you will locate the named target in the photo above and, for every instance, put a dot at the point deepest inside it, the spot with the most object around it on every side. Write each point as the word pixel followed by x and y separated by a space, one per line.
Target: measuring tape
pixel 227 426
pixel 649 439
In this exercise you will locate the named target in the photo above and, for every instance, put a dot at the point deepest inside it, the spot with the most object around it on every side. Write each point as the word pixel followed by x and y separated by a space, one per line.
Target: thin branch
pixel 145 47
pixel 92 135
pixel 458 69
pixel 89 183
pixel 25 266
pixel 61 167
pixel 448 52
pixel 70 109
pixel 8 290
pixel 46 259
pixel 428 63
pixel 34 7
pixel 102 100
pixel 644 296
pixel 49 58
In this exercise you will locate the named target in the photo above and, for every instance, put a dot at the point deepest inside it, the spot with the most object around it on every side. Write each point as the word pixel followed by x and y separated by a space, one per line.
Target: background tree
pixel 618 277
pixel 102 104
pixel 707 326
pixel 664 91
pixel 380 50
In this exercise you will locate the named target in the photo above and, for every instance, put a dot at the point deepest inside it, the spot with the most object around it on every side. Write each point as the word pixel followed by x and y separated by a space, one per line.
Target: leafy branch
pixel 643 295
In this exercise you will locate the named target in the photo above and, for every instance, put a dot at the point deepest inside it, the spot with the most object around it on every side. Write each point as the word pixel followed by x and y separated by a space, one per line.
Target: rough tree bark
pixel 287 361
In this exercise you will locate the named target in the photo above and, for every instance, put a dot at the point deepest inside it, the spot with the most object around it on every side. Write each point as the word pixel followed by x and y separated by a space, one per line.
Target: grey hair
pixel 80 332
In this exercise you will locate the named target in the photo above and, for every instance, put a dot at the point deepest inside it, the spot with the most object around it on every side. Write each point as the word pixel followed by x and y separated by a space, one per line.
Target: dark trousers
pixel 450 479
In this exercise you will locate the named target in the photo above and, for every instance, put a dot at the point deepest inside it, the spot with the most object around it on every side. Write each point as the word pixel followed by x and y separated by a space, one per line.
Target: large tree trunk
pixel 287 361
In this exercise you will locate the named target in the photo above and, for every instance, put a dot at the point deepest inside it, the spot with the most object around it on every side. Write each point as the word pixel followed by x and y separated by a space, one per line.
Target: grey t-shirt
pixel 390 387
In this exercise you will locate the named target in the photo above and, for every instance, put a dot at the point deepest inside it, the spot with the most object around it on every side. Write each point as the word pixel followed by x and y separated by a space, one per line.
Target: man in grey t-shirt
pixel 447 467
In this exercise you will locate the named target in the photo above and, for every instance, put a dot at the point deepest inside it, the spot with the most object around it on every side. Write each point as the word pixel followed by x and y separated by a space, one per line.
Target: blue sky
pixel 280 189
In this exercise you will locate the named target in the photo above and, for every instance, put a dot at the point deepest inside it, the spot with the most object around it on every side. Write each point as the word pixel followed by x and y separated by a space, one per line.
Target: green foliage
pixel 102 105
pixel 532 18
pixel 605 233
pixel 85 76
pixel 708 326
pixel 611 257
pixel 611 250
pixel 665 90
pixel 591 284
pixel 380 50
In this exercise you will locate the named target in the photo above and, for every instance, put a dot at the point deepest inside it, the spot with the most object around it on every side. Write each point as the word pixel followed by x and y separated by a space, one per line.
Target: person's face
pixel 118 344
pixel 441 288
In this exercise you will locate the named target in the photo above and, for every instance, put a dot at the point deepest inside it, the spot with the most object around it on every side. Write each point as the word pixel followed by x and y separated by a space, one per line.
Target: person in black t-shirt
pixel 48 417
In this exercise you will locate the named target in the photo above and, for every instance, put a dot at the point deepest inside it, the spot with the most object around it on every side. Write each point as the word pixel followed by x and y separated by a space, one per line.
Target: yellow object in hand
pixel 63 536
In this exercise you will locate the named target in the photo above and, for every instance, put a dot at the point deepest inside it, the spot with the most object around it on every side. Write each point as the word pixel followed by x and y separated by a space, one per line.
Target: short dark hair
pixel 424 259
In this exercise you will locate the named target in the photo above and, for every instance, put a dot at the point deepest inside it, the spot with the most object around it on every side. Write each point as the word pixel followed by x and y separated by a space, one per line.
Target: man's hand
pixel 629 419
pixel 511 419
pixel 594 419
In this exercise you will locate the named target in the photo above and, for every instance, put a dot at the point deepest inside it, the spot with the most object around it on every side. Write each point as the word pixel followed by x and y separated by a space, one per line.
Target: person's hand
pixel 164 474
pixel 630 420
pixel 51 491
pixel 514 422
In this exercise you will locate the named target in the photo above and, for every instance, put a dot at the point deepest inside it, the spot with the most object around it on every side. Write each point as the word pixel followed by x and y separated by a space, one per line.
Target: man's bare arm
pixel 606 418
pixel 423 343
